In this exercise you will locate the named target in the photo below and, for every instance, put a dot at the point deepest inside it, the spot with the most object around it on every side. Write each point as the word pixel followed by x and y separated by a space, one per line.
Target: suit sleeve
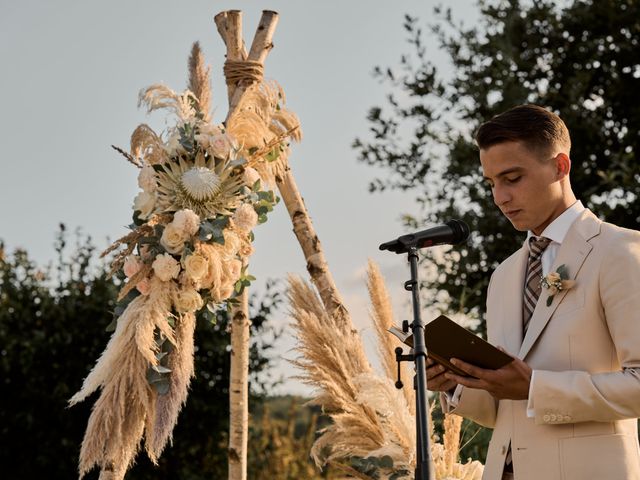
pixel 580 396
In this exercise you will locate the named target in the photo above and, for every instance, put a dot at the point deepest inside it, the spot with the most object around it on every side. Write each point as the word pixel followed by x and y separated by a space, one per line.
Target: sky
pixel 71 73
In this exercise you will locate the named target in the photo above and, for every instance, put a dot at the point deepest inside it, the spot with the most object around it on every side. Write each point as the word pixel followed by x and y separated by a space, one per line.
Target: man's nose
pixel 500 196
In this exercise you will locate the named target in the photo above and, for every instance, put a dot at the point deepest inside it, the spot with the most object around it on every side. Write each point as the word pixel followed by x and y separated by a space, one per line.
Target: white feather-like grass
pixel 127 401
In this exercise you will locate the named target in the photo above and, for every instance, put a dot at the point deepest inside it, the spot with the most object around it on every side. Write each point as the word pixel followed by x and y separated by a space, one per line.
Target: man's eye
pixel 514 179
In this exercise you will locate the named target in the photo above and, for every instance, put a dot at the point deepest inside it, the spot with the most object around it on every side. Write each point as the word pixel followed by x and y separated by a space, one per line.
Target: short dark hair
pixel 538 128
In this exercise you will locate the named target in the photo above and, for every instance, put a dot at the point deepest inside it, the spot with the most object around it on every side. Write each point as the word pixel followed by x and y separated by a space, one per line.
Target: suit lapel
pixel 574 250
pixel 511 310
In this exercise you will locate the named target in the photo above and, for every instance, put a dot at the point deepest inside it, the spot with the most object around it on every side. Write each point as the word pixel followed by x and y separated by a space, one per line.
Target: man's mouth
pixel 512 213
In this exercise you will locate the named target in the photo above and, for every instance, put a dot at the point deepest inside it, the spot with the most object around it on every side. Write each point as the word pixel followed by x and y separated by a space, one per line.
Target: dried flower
pixel 245 217
pixel 166 267
pixel 250 176
pixel 147 179
pixel 132 265
pixel 144 286
pixel 187 221
pixel 144 203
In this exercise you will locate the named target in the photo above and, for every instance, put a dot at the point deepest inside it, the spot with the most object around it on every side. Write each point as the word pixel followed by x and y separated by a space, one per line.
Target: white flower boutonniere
pixel 556 282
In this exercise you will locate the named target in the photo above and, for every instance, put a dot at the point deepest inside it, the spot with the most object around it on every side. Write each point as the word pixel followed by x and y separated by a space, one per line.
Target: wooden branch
pixel 239 389
pixel 230 29
pixel 262 45
pixel 317 265
pixel 260 48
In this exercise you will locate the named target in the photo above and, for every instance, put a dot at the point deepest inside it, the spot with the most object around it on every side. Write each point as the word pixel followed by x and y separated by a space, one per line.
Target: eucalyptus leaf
pixel 160 369
pixel 112 326
pixel 162 386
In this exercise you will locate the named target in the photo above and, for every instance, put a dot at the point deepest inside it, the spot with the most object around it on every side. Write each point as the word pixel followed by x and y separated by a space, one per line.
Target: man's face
pixel 525 187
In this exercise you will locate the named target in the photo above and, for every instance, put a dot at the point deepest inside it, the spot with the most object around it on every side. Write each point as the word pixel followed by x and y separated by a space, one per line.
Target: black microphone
pixel 452 232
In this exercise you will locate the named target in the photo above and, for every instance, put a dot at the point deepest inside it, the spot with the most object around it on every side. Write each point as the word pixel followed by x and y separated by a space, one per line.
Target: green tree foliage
pixel 579 58
pixel 52 330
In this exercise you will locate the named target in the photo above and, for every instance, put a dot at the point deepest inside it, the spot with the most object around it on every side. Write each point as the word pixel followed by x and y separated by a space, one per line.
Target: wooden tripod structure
pixel 229 24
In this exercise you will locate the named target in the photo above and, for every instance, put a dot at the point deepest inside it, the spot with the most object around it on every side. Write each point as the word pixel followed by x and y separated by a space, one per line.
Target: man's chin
pixel 519 226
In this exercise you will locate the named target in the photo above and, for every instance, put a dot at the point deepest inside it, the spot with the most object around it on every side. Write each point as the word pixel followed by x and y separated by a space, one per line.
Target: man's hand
pixel 436 380
pixel 511 381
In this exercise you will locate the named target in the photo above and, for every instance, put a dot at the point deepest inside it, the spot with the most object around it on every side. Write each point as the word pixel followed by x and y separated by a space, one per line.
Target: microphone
pixel 451 233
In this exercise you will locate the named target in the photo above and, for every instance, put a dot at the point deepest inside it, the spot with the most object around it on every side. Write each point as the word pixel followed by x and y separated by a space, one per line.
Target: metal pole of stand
pixel 423 453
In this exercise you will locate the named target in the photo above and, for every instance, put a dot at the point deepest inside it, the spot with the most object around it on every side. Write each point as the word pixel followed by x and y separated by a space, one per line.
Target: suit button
pixel 503 450
pixel 546 418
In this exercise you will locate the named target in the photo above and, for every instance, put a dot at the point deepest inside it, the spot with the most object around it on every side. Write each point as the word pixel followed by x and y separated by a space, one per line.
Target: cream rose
pixel 166 267
pixel 231 244
pixel 553 277
pixel 173 239
pixel 226 291
pixel 220 145
pixel 132 265
pixel 250 176
pixel 196 267
pixel 147 179
pixel 245 217
pixel 187 300
pixel 187 221
pixel 144 203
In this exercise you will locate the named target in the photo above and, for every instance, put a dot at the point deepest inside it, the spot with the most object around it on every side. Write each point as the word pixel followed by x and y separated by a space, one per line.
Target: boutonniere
pixel 556 282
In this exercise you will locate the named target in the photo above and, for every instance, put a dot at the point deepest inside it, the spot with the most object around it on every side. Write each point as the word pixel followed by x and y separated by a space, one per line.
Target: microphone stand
pixel 453 232
pixel 419 355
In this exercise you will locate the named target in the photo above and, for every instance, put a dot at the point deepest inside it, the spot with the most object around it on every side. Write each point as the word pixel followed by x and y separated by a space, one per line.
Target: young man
pixel 566 407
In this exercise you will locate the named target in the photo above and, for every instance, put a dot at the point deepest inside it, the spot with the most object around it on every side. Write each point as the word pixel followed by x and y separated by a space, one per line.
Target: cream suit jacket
pixel 585 350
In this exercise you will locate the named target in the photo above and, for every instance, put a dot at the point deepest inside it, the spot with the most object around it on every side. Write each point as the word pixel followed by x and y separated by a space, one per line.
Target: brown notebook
pixel 445 339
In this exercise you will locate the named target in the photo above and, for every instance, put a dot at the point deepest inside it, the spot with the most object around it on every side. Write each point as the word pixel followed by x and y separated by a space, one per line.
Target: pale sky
pixel 71 72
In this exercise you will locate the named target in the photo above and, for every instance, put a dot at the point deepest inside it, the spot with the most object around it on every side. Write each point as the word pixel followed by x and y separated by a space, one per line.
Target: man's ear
pixel 563 165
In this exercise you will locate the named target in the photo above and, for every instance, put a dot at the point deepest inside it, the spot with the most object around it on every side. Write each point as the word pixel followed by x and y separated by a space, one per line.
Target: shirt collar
pixel 557 230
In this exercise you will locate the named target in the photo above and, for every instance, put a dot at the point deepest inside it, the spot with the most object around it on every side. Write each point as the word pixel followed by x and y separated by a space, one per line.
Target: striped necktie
pixel 532 285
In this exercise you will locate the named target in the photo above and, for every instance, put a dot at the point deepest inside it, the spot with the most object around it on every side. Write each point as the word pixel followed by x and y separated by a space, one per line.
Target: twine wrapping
pixel 249 71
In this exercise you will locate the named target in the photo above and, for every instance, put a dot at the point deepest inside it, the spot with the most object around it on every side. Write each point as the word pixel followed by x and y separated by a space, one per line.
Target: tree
pixel 52 328
pixel 579 58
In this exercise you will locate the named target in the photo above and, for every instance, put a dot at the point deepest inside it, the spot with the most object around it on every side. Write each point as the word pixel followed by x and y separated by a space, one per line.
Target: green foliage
pixel 52 330
pixel 282 432
pixel 579 58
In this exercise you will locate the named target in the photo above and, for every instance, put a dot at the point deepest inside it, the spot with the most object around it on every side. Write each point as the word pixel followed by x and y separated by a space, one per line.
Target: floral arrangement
pixel 556 282
pixel 204 188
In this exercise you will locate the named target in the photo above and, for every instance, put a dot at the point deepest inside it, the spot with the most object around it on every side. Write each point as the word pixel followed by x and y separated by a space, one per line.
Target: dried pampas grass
pixel 168 406
pixel 159 96
pixel 370 417
pixel 260 119
pixel 146 144
pixel 332 357
pixel 118 419
pixel 199 80
pixel 382 316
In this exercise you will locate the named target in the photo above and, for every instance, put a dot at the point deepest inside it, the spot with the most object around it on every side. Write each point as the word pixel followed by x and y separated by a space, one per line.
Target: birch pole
pixel 229 25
